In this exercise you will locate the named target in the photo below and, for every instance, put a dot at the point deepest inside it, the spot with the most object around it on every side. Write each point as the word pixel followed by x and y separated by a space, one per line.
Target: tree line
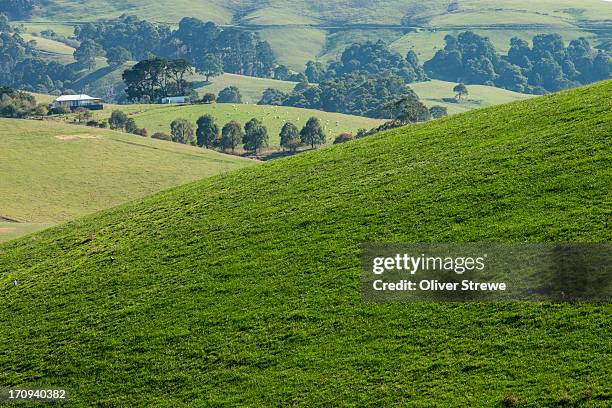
pixel 546 66
pixel 206 133
pixel 18 9
pixel 207 46
pixel 355 94
pixel 22 67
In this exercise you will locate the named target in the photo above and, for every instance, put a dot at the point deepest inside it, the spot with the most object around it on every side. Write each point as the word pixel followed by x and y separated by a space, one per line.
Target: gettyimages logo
pixel 486 272
pixel 413 264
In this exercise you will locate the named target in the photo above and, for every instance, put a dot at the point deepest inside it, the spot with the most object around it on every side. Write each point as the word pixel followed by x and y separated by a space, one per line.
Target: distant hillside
pixel 441 93
pixel 302 30
pixel 251 88
pixel 243 289
pixel 53 172
pixel 157 118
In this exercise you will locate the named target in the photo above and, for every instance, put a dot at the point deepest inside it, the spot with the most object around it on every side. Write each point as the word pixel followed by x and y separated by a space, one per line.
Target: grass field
pixel 52 49
pixel 53 172
pixel 300 31
pixel 243 289
pixel 251 88
pixel 441 93
pixel 157 118
pixel 288 12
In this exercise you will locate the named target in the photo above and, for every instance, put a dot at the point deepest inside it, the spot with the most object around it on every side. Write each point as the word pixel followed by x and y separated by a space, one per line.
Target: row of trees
pixel 210 48
pixel 206 133
pixel 369 58
pixel 547 66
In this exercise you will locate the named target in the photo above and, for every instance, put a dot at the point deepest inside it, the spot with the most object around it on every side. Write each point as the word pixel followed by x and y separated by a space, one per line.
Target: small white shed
pixel 173 99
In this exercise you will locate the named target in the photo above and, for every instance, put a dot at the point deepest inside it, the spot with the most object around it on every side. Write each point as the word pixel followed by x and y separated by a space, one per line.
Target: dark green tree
pixel 289 136
pixel 117 56
pixel 409 110
pixel 117 120
pixel 231 135
pixel 437 111
pixel 5 26
pixel 130 125
pixel 18 9
pixel 231 94
pixel 86 54
pixel 255 136
pixel 207 132
pixel 312 133
pixel 181 131
pixel 272 96
pixel 460 91
pixel 209 65
pixel 315 71
pixel 156 78
pixel 282 73
pixel 209 98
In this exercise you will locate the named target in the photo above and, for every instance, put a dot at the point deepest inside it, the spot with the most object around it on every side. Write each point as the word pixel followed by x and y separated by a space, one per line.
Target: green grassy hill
pixel 299 31
pixel 251 88
pixel 51 49
pixel 54 172
pixel 243 289
pixel 157 118
pixel 255 12
pixel 441 93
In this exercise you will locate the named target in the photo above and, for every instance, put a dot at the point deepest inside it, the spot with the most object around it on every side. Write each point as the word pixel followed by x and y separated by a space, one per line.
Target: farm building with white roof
pixel 79 101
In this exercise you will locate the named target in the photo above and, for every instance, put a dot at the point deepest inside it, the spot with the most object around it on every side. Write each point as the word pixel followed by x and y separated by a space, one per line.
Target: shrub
pixel 117 120
pixel 231 94
pixel 16 104
pixel 41 109
pixel 161 136
pixel 59 110
pixel 130 126
pixel 93 123
pixel 510 400
pixel 361 133
pixel 141 132
pixel 437 111
pixel 344 137
pixel 209 98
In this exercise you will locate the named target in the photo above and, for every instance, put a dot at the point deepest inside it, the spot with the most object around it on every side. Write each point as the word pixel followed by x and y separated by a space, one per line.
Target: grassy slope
pixel 48 180
pixel 52 49
pixel 158 117
pixel 312 27
pixel 328 12
pixel 441 93
pixel 243 289
pixel 251 88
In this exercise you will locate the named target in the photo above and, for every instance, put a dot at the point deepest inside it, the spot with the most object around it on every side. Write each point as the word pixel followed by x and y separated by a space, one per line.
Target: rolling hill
pixel 243 289
pixel 300 31
pixel 54 172
pixel 441 93
pixel 251 88
pixel 157 118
